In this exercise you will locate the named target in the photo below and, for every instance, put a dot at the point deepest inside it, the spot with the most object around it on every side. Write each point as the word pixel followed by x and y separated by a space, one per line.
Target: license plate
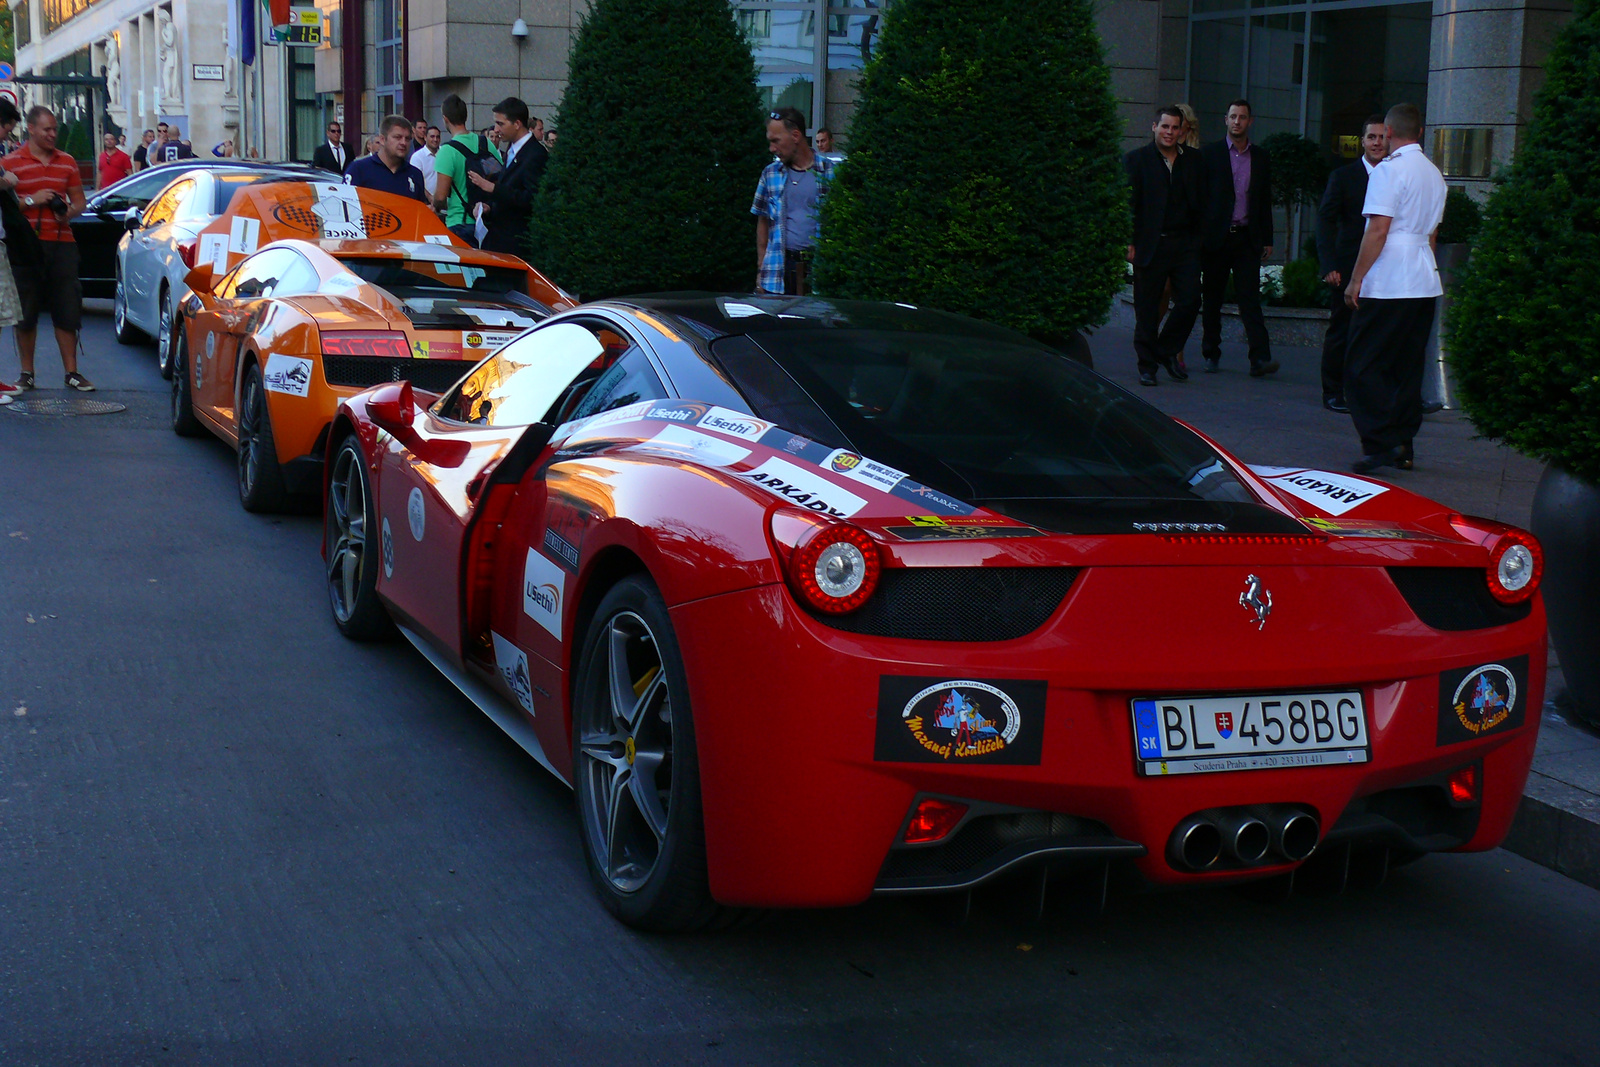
pixel 1202 735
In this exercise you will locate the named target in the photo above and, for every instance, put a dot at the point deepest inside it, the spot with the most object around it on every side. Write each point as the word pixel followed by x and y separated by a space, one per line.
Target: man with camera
pixel 51 192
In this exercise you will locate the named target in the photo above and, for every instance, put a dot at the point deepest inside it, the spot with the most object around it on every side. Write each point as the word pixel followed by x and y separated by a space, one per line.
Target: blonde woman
pixel 1188 140
pixel 1191 127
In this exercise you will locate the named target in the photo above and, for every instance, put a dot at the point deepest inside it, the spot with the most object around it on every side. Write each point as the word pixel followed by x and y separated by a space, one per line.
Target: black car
pixel 100 225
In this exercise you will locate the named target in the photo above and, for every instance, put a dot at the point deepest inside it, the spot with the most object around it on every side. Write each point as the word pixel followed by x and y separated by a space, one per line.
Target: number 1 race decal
pixel 932 720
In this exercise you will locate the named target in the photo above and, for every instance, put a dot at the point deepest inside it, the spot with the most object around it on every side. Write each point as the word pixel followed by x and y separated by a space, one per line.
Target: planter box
pixel 1289 327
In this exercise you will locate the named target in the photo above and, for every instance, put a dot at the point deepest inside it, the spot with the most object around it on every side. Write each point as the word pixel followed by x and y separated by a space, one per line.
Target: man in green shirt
pixel 452 190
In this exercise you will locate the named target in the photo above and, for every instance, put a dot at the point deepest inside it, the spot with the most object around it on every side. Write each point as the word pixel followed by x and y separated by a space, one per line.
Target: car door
pixel 148 247
pixel 530 613
pixel 98 229
pixel 431 487
pixel 242 298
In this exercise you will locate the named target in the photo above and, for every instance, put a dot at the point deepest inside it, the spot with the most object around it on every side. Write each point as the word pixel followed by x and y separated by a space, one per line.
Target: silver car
pixel 158 251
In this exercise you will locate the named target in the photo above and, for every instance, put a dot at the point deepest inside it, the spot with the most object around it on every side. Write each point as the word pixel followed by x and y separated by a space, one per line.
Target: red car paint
pixel 798 811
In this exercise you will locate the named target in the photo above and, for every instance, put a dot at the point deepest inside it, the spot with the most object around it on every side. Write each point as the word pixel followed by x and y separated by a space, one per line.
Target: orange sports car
pixel 304 294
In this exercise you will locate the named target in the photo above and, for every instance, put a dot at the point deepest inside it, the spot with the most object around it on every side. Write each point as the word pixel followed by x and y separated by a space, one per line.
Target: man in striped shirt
pixel 51 192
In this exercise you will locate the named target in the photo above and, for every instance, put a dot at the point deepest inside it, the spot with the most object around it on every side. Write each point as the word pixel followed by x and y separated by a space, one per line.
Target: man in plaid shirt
pixel 787 199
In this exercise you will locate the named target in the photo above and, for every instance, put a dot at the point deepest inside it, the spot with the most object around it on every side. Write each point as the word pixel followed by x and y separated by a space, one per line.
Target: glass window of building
pixel 391 64
pixel 810 52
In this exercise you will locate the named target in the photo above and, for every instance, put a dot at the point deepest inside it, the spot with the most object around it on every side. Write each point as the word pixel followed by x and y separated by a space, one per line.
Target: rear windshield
pixel 980 418
pixel 400 275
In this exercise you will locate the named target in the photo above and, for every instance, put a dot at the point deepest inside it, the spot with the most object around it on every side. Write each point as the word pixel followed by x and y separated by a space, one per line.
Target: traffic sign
pixel 10 93
pixel 7 72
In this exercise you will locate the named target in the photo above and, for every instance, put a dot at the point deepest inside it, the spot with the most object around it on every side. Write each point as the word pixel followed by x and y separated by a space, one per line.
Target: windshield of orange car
pixel 400 274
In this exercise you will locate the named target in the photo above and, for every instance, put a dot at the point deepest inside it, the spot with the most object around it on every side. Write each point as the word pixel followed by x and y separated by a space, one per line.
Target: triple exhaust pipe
pixel 1244 836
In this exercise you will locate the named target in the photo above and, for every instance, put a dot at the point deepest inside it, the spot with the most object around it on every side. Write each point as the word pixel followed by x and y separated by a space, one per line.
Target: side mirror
pixel 392 408
pixel 131 219
pixel 200 279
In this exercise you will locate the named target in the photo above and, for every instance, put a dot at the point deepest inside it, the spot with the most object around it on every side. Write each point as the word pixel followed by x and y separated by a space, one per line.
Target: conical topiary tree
pixel 1524 325
pixel 662 142
pixel 984 174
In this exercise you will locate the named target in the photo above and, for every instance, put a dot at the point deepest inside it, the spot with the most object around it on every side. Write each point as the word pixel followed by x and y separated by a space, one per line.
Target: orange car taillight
pixel 366 343
pixel 1516 562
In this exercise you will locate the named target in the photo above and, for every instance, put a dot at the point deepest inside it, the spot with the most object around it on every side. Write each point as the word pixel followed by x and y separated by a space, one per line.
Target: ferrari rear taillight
pixel 366 343
pixel 1464 785
pixel 186 252
pixel 835 570
pixel 933 819
pixel 1516 562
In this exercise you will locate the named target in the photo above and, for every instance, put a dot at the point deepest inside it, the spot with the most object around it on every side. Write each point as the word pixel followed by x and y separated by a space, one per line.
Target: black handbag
pixel 23 247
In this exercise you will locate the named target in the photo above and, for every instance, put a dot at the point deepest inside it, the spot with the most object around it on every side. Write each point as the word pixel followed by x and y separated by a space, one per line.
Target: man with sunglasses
pixel 788 198
pixel 332 154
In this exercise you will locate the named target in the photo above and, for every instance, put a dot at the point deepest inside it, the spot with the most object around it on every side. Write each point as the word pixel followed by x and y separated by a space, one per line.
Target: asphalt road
pixel 229 836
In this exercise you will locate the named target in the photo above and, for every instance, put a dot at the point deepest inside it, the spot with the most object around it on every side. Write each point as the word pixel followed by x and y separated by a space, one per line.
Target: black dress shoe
pixel 1213 364
pixel 1431 407
pixel 1389 457
pixel 1406 460
pixel 1147 377
pixel 1336 403
pixel 1264 368
pixel 1176 370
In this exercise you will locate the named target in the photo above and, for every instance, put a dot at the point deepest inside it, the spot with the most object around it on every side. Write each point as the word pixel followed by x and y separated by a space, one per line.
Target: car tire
pixel 349 522
pixel 184 424
pixel 261 487
pixel 644 840
pixel 127 332
pixel 166 340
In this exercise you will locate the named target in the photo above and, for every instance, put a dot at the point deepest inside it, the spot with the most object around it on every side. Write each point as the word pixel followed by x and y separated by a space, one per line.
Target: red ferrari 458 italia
pixel 810 600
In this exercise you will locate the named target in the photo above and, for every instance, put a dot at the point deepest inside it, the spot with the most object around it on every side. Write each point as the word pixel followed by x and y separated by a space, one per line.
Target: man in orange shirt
pixel 51 193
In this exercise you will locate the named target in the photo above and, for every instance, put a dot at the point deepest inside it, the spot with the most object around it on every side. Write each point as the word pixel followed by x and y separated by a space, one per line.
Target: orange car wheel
pixel 261 485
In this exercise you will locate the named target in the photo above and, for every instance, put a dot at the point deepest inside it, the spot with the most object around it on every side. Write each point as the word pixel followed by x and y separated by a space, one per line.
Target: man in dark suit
pixel 1168 198
pixel 1238 236
pixel 510 194
pixel 1340 225
pixel 332 154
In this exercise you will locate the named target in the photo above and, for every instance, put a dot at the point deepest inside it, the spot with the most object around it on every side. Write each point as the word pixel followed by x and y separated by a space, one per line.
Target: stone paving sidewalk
pixel 1280 420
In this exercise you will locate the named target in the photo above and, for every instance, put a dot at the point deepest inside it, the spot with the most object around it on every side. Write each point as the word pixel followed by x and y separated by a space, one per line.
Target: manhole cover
pixel 59 405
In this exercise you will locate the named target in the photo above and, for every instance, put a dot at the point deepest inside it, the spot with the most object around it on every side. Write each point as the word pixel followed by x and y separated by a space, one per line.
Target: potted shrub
pixel 1025 221
pixel 1525 339
pixel 639 199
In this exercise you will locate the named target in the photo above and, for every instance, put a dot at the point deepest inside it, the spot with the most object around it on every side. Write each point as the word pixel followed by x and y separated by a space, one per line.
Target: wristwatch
pixel 27 201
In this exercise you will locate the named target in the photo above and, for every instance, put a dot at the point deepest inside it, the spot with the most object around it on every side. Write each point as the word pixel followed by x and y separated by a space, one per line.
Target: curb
pixel 1558 826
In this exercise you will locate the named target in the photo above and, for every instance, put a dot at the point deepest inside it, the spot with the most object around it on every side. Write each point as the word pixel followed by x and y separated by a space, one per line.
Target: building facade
pixel 164 61
pixel 1313 67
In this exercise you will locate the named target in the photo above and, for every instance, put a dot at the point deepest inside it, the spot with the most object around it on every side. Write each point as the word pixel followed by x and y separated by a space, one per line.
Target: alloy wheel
pixel 164 332
pixel 625 752
pixel 347 528
pixel 249 427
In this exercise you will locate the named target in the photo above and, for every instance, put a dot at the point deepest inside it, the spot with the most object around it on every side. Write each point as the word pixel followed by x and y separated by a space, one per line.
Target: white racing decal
pixel 437 239
pixel 1333 493
pixel 513 664
pixel 544 586
pixel 486 338
pixel 243 235
pixel 214 250
pixel 734 424
pixel 416 514
pixel 339 208
pixel 802 487
pixel 287 374
pixel 677 442
pixel 858 468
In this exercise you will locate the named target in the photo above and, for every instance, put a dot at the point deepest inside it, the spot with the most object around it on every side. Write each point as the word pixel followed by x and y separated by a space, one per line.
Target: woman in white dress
pixel 10 304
